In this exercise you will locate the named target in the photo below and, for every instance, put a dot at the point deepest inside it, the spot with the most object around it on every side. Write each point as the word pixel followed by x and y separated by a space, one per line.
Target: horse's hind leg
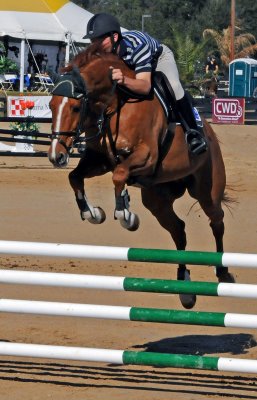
pixel 216 215
pixel 95 215
pixel 159 201
pixel 211 203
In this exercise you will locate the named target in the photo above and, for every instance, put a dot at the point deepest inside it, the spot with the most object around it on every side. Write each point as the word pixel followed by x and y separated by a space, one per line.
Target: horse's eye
pixel 76 109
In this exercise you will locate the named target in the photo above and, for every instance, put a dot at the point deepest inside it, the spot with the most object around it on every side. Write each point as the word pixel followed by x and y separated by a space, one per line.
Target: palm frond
pixel 244 43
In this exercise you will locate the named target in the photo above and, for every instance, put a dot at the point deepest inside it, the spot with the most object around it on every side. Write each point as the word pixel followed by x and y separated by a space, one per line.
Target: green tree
pixel 245 43
pixel 187 54
pixel 246 12
pixel 214 14
pixel 163 13
pixel 7 65
pixel 191 17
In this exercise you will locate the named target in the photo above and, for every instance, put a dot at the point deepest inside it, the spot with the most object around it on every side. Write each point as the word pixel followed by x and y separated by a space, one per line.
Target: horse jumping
pixel 124 135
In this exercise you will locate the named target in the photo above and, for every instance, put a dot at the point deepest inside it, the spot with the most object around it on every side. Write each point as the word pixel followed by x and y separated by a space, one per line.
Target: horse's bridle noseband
pixel 75 135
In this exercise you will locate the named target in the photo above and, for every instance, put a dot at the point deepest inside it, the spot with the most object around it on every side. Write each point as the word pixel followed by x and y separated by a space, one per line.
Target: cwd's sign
pixel 228 111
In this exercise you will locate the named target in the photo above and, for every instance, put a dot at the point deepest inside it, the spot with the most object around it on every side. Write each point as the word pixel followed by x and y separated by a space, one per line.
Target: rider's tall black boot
pixel 196 142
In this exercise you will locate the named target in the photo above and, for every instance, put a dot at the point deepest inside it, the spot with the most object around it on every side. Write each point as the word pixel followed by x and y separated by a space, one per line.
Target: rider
pixel 142 52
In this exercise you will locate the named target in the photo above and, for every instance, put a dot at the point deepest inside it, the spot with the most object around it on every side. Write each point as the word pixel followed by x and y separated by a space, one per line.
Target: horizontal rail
pixel 141 314
pixel 128 357
pixel 30 154
pixel 127 284
pixel 26 119
pixel 24 133
pixel 128 254
pixel 25 140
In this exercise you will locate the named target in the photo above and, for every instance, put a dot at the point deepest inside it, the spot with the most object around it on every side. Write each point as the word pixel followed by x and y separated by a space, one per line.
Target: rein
pixel 102 119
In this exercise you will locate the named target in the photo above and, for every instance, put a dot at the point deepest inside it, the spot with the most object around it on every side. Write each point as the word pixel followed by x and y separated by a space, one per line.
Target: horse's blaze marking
pixel 53 147
pixel 58 125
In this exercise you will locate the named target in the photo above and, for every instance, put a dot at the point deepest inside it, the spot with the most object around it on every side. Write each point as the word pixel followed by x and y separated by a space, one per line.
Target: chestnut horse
pixel 124 135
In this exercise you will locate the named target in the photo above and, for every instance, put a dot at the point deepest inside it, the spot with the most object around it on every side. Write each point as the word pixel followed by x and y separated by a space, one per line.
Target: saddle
pixel 165 94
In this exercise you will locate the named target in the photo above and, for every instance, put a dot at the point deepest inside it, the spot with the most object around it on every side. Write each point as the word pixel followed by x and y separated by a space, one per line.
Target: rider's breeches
pixel 167 65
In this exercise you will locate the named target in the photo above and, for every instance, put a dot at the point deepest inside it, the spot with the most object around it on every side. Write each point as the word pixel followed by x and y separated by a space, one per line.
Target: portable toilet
pixel 242 77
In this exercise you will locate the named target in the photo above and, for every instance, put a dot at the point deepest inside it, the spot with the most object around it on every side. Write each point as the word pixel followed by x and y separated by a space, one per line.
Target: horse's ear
pixel 76 72
pixel 78 78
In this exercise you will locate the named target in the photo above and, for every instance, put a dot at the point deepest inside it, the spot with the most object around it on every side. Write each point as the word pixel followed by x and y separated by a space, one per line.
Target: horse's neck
pixel 101 89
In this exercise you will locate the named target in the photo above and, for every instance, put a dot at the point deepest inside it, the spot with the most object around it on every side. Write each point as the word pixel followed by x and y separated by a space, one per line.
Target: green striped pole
pixel 193 317
pixel 177 316
pixel 170 360
pixel 193 257
pixel 127 284
pixel 128 357
pixel 190 362
pixel 129 313
pixel 128 254
pixel 174 256
pixel 171 286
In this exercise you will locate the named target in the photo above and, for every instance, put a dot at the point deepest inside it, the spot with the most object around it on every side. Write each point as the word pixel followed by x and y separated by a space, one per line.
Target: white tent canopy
pixel 50 20
pixel 42 20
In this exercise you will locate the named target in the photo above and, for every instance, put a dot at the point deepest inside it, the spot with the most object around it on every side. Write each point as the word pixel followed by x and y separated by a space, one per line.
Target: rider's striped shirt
pixel 138 50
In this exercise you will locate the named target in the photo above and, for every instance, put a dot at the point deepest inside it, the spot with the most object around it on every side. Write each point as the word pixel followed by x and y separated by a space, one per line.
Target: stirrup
pixel 196 142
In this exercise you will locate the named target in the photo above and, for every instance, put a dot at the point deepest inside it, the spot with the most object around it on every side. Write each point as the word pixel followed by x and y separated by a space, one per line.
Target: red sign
pixel 228 111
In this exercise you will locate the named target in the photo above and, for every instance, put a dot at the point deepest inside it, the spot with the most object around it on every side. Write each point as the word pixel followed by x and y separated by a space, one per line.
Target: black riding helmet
pixel 101 24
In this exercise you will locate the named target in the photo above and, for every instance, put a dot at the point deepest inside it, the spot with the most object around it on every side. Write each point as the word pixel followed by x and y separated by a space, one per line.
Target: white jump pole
pixel 103 282
pixel 128 357
pixel 128 254
pixel 142 314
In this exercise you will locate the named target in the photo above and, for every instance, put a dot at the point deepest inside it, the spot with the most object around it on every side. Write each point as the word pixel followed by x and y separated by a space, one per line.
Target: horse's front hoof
pixel 98 216
pixel 133 224
pixel 128 220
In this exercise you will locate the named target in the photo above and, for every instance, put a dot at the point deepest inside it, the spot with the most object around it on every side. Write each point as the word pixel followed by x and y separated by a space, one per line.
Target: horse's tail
pixel 230 200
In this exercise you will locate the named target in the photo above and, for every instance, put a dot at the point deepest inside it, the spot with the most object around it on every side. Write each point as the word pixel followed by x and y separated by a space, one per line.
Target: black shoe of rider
pixel 196 142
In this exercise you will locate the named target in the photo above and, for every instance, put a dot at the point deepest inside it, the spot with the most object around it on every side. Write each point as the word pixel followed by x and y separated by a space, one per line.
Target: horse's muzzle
pixel 59 160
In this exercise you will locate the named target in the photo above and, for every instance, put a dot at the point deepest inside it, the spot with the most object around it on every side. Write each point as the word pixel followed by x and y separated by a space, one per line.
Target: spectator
pixel 60 58
pixel 44 64
pixel 211 66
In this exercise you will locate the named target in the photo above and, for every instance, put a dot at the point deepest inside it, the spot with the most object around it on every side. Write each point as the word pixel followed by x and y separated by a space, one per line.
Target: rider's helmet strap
pixel 114 44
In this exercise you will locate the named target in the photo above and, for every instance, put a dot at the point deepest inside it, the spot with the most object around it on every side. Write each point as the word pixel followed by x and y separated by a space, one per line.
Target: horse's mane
pixel 92 52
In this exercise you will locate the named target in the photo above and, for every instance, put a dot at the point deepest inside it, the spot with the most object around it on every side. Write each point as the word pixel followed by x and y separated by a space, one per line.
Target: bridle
pixel 74 135
pixel 72 85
